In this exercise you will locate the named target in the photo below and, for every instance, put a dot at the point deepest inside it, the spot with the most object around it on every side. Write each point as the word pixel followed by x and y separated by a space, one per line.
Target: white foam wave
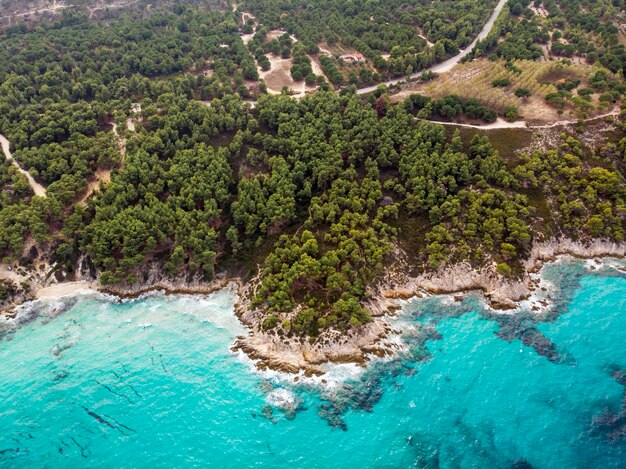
pixel 282 398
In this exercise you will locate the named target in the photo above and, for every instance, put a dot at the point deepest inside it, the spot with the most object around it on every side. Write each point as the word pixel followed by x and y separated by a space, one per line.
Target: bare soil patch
pixel 279 76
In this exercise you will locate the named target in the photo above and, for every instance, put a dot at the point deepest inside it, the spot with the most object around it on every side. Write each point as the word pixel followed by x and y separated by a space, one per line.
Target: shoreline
pixel 170 288
pixel 278 351
pixel 379 339
pixel 501 294
pixel 65 289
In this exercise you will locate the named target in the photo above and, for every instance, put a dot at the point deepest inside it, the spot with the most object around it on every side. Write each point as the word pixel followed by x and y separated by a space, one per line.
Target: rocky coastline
pixel 278 350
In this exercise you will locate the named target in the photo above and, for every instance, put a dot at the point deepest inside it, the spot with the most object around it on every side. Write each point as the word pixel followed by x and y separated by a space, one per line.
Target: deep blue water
pixel 152 383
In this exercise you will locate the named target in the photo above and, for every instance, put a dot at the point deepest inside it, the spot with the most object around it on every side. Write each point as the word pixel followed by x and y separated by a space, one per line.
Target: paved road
pixel 446 65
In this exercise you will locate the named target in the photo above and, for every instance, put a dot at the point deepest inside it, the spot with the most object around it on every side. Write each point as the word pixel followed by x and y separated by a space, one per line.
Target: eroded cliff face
pixel 155 279
pixel 12 293
pixel 501 292
pixel 278 349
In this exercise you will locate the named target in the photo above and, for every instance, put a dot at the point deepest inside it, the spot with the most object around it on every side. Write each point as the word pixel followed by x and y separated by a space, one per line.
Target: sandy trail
pixel 246 38
pixel 54 7
pixel 103 176
pixel 245 16
pixel 317 68
pixel 38 189
pixel 498 124
pixel 326 52
pixel 423 36
pixel 114 5
pixel 503 124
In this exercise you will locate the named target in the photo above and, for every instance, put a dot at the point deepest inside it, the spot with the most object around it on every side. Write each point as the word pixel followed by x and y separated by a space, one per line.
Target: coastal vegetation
pixel 319 195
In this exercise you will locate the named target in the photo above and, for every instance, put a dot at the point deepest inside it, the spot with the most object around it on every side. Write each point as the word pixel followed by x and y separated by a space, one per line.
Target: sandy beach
pixel 61 290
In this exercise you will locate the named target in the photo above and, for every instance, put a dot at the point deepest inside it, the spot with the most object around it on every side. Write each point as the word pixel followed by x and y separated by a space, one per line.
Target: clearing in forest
pixel 336 50
pixel 476 79
pixel 279 76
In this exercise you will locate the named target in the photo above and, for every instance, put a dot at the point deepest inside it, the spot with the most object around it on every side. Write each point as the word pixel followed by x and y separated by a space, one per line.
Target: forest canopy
pixel 153 161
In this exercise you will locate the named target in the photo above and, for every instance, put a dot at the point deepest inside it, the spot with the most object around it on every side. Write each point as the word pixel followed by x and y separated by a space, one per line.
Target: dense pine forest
pixel 142 129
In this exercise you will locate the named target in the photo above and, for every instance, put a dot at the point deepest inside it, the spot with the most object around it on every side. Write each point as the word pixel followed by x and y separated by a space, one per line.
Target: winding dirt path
pixel 114 5
pixel 420 33
pixel 245 16
pixel 103 176
pixel 38 189
pixel 53 8
pixel 503 124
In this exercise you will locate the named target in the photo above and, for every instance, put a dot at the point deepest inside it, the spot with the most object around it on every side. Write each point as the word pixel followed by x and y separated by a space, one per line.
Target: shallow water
pixel 152 383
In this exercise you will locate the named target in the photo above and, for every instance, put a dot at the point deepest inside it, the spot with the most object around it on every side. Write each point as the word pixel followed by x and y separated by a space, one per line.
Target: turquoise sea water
pixel 152 383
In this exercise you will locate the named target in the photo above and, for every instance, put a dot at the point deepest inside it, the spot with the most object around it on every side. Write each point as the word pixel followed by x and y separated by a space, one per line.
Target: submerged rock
pixel 332 414
pixel 268 413
pixel 58 349
pixel 366 398
pixel 542 345
pixel 620 377
pixel 360 396
pixel 521 464
pixel 523 328
pixel 426 451
pixel 613 424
